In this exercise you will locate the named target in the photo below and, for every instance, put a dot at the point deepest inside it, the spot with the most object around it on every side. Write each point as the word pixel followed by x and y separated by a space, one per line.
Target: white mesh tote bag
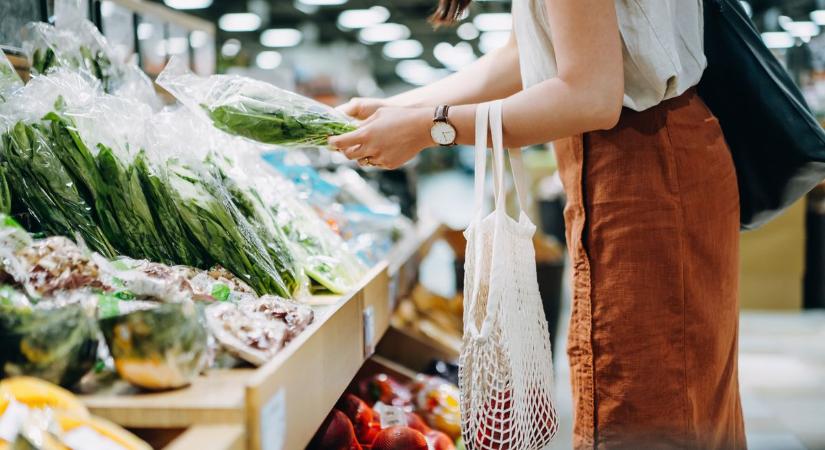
pixel 506 366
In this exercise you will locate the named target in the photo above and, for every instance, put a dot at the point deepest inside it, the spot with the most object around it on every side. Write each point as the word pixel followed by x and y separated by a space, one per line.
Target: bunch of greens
pixel 253 109
pixel 49 192
pixel 277 124
pixel 210 217
pixel 94 62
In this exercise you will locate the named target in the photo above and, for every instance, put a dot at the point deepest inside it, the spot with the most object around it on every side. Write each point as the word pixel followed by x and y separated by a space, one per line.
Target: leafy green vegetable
pixel 276 125
pixel 226 236
pixel 183 247
pixel 36 176
pixel 121 190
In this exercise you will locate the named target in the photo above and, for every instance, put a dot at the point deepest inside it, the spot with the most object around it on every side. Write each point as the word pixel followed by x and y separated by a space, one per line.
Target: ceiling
pixel 412 13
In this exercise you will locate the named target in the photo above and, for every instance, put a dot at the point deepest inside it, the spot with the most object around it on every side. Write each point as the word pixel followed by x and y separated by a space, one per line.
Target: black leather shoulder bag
pixel 777 144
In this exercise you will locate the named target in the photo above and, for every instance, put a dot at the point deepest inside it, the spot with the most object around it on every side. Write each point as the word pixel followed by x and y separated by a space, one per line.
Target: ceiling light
pixel 492 40
pixel 384 32
pixel 269 59
pixel 198 38
pixel 361 18
pixel 493 21
pixel 403 49
pixel 818 17
pixel 467 31
pixel 778 39
pixel 322 2
pixel 803 30
pixel 454 56
pixel 188 4
pixel 239 22
pixel 281 37
pixel 145 30
pixel 231 48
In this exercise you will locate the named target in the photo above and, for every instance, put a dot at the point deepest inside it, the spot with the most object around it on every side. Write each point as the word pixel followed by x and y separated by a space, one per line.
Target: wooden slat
pixel 216 397
pixel 210 437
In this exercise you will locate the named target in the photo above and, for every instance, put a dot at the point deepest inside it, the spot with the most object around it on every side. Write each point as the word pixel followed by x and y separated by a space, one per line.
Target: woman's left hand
pixel 388 138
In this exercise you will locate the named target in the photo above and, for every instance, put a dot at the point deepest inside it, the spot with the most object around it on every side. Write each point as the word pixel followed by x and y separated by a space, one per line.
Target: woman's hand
pixel 362 108
pixel 390 137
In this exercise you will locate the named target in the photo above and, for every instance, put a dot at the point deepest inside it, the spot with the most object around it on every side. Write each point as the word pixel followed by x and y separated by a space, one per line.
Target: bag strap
pixel 482 113
pixel 516 162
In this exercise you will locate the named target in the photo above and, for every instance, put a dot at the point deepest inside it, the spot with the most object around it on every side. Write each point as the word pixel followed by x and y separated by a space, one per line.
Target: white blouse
pixel 663 47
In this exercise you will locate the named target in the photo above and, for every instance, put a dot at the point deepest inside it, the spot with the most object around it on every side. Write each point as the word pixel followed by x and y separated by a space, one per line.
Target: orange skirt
pixel 653 229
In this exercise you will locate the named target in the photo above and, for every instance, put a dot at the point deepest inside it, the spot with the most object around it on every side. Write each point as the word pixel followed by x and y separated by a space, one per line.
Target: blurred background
pixel 335 49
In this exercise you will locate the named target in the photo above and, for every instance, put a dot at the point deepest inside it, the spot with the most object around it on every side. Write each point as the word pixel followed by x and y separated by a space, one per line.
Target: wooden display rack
pixel 281 404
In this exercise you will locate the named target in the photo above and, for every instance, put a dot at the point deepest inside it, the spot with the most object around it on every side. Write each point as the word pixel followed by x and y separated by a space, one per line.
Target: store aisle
pixel 782 355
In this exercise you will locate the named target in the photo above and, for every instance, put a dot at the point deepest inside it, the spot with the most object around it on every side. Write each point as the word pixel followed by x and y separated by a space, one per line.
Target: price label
pixel 391 416
pixel 369 330
pixel 273 422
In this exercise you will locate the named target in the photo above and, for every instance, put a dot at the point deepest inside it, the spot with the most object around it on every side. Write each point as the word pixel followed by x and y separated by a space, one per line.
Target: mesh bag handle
pixel 490 113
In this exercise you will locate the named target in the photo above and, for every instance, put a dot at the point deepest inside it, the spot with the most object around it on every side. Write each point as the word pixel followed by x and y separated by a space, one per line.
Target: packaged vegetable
pixel 159 348
pixel 253 109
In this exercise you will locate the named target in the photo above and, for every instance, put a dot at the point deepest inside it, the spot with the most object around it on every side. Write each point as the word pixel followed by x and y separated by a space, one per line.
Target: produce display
pixel 253 109
pixel 35 414
pixel 438 318
pixel 387 414
pixel 58 298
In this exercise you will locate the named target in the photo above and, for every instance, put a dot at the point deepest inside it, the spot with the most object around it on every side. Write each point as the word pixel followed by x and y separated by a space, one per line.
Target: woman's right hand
pixel 362 108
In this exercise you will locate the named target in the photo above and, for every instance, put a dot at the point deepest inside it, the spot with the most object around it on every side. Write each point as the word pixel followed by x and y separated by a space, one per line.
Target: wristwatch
pixel 442 132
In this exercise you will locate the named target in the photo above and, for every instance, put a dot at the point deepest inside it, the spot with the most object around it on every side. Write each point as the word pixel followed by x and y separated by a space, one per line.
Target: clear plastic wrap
pixel 158 348
pixel 255 329
pixel 323 255
pixel 10 81
pixel 207 210
pixel 76 44
pixel 253 109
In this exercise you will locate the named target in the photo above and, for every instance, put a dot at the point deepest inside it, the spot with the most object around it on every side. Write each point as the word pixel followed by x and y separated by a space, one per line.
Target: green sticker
pixel 221 292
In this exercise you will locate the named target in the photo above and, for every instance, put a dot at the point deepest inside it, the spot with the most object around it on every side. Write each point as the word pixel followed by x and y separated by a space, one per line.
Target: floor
pixel 782 355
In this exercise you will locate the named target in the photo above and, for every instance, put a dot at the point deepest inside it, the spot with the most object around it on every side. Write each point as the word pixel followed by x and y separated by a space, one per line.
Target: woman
pixel 653 209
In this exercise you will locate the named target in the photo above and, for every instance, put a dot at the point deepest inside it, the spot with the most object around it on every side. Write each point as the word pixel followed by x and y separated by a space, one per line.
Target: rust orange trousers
pixel 653 231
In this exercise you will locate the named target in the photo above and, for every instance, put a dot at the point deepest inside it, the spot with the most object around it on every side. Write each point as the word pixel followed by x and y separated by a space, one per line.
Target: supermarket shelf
pixel 280 404
pixel 212 437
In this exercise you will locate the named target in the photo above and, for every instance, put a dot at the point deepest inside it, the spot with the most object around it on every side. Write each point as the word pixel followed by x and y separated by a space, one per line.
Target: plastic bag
pixel 323 255
pixel 253 109
pixel 76 44
pixel 10 81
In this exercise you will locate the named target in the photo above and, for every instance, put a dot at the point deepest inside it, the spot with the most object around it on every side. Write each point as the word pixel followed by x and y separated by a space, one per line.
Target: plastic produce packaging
pixel 253 109
pixel 162 347
pixel 75 43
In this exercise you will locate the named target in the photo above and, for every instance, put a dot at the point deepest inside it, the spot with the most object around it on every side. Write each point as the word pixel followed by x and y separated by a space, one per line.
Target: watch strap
pixel 441 112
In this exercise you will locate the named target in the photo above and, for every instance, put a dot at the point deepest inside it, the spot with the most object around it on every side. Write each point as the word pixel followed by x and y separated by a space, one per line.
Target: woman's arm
pixel 586 95
pixel 494 75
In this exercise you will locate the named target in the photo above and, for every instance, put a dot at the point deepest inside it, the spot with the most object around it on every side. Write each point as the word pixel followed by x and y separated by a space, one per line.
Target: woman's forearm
pixel 568 108
pixel 495 75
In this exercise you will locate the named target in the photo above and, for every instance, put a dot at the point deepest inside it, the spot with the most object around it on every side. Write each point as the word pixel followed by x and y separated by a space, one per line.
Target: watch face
pixel 443 133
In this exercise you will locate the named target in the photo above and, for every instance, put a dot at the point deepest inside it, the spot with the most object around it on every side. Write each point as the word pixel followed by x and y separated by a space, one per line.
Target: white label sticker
pixel 273 422
pixel 391 416
pixel 12 419
pixel 369 330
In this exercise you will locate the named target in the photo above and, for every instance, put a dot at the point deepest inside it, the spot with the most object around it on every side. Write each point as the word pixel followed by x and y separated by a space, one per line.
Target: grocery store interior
pixel 192 289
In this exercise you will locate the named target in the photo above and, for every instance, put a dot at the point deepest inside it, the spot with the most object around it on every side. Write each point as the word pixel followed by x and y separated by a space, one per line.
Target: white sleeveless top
pixel 662 40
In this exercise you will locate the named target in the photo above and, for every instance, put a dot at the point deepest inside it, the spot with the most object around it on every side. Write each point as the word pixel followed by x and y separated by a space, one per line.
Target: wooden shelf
pixel 281 404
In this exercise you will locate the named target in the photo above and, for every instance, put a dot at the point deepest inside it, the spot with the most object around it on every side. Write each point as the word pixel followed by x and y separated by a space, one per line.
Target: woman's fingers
pixel 347 140
pixel 357 152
